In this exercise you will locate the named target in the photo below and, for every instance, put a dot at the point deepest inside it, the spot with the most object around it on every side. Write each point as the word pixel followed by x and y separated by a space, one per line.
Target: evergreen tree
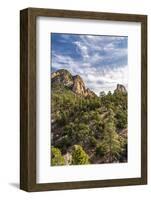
pixel 121 119
pixel 79 156
pixel 110 145
pixel 102 94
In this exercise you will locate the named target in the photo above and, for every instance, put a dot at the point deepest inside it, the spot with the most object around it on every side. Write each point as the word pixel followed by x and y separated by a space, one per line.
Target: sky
pixel 101 61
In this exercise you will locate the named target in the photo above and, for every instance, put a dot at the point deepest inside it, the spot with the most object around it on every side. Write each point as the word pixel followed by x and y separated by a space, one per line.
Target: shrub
pixel 93 141
pixel 79 156
pixel 100 150
pixel 56 157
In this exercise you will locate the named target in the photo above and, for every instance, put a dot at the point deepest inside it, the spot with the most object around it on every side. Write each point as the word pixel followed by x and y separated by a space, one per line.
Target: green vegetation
pixel 79 156
pixel 57 158
pixel 110 145
pixel 88 128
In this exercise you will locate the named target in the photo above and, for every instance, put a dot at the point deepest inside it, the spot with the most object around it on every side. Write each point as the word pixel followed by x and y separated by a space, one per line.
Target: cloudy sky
pixel 100 60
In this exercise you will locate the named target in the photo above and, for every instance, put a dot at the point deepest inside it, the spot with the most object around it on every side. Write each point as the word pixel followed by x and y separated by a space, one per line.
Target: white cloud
pixel 83 49
pixel 101 49
pixel 105 80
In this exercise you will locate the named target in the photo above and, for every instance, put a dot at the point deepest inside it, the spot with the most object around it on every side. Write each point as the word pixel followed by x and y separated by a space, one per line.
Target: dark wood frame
pixel 28 98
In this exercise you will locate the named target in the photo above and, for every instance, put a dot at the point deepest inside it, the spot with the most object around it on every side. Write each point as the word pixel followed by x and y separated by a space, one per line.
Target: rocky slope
pixel 94 123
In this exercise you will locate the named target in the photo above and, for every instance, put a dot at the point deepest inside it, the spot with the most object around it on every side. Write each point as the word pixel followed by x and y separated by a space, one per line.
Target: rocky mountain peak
pixel 75 83
pixel 62 76
pixel 120 89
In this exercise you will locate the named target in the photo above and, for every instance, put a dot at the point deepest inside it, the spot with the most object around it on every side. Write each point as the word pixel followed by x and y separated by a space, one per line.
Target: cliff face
pixel 75 83
pixel 79 87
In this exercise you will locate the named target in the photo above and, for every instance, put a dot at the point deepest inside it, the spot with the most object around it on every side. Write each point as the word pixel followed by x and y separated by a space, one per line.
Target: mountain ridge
pixel 76 83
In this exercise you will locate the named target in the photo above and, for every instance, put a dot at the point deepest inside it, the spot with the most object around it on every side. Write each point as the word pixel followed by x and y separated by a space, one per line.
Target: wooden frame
pixel 28 98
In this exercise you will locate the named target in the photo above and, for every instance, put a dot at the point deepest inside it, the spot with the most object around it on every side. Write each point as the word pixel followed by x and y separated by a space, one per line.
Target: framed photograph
pixel 83 99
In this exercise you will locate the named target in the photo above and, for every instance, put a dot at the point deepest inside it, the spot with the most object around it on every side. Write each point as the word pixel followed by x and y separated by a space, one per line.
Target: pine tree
pixel 111 145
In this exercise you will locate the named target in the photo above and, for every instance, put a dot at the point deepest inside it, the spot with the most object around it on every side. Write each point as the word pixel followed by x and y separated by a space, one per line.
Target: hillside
pixel 85 128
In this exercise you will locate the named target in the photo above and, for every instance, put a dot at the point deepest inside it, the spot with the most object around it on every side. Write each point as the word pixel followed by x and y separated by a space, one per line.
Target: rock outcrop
pixel 75 83
pixel 62 76
pixel 120 89
pixel 78 85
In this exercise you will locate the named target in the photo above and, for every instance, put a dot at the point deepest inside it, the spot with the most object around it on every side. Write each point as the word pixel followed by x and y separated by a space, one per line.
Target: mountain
pixel 120 89
pixel 75 83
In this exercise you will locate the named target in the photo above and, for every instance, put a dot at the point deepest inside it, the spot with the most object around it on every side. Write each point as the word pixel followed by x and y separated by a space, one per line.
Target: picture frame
pixel 28 98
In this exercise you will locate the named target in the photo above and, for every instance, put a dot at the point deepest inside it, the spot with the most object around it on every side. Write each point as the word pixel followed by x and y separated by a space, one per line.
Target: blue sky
pixel 101 61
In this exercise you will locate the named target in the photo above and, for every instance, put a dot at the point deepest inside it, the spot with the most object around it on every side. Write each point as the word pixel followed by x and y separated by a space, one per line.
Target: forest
pixel 87 129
